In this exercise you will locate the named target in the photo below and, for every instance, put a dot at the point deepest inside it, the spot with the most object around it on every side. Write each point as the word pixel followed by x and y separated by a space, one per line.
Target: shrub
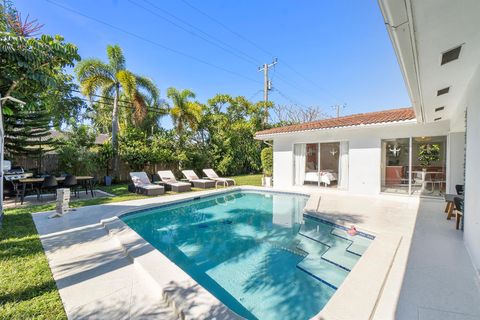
pixel 105 156
pixel 267 161
pixel 74 153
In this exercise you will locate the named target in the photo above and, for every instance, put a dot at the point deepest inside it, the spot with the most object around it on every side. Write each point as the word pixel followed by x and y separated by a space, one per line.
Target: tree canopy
pixel 112 80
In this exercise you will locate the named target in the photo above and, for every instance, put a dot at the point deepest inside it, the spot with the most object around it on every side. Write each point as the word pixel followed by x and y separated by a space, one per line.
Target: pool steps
pixel 342 251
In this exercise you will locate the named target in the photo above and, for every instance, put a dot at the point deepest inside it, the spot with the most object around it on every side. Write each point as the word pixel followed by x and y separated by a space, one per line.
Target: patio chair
pixel 196 181
pixel 212 175
pixel 460 189
pixel 458 211
pixel 49 184
pixel 71 183
pixel 144 186
pixel 171 182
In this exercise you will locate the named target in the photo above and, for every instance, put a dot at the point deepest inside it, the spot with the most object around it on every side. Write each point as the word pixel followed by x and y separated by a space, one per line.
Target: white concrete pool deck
pixel 431 277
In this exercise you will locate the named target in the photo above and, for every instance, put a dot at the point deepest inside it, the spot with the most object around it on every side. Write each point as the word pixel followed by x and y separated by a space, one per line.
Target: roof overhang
pixel 361 126
pixel 398 20
pixel 421 31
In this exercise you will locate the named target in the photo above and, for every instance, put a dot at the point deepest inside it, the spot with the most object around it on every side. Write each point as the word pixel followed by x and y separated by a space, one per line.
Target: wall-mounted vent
pixel 437 119
pixel 439 109
pixel 451 55
pixel 443 91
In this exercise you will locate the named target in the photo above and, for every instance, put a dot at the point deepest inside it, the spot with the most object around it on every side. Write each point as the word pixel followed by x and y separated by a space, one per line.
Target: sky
pixel 329 52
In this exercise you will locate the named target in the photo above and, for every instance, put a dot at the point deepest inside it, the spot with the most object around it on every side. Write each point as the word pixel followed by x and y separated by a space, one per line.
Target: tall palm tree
pixel 184 113
pixel 112 80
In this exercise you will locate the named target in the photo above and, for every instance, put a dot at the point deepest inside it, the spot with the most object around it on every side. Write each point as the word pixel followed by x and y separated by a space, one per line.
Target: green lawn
pixel 27 288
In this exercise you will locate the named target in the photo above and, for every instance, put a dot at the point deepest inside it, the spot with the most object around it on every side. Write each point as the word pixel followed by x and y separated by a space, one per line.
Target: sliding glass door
pixel 396 164
pixel 414 165
pixel 429 165
pixel 321 164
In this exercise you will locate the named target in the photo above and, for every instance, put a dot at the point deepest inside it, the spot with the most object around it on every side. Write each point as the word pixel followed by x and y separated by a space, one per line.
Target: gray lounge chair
pixel 144 186
pixel 196 181
pixel 171 182
pixel 211 174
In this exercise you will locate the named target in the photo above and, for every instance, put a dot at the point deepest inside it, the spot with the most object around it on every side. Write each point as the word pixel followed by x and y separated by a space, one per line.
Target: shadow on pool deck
pixel 440 281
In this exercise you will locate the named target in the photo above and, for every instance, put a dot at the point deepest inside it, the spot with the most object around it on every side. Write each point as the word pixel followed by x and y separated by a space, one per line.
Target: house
pixel 366 153
pixel 437 44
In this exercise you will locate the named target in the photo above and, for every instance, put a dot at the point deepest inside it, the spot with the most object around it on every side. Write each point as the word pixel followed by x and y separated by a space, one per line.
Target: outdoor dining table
pixel 424 177
pixel 87 179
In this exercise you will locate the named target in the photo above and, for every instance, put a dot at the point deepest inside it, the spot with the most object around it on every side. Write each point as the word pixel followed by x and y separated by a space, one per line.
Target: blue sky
pixel 329 52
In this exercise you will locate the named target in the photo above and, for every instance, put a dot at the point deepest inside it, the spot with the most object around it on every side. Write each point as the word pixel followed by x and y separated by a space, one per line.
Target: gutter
pixel 412 80
pixel 270 136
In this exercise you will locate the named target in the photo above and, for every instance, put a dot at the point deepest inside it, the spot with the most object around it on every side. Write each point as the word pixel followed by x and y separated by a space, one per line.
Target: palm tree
pixel 185 113
pixel 112 80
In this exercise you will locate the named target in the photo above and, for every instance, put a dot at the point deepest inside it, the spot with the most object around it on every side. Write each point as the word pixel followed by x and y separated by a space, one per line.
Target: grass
pixel 27 288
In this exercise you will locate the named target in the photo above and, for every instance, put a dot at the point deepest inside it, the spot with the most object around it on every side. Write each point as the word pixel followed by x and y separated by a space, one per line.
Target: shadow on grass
pixel 29 292
pixel 27 285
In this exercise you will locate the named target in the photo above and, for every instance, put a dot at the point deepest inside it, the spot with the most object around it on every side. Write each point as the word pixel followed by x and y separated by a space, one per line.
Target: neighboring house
pixel 99 139
pixel 437 44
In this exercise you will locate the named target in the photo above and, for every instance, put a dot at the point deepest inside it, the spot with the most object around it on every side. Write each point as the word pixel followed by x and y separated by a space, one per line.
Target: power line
pixel 254 44
pixel 226 27
pixel 151 41
pixel 121 105
pixel 255 94
pixel 250 58
pixel 220 43
pixel 288 98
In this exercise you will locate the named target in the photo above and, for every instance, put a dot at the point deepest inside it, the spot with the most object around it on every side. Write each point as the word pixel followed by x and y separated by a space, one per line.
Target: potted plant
pixel 105 156
pixel 267 165
pixel 427 154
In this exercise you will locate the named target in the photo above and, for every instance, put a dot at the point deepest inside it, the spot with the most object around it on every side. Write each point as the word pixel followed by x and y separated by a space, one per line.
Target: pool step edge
pixel 187 298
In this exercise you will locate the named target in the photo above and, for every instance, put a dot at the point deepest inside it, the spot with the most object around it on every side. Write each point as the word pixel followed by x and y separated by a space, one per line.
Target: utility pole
pixel 267 86
pixel 337 108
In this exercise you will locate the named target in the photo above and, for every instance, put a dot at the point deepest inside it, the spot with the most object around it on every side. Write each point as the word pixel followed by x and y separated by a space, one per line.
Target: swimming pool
pixel 255 251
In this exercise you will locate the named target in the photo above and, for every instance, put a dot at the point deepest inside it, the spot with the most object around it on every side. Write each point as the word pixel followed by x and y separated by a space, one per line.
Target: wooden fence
pixel 48 163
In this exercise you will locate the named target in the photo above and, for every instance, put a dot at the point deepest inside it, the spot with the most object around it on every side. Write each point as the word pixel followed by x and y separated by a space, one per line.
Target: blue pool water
pixel 255 251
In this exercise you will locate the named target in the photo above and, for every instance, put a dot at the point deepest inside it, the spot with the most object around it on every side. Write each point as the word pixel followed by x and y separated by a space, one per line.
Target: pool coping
pixel 191 301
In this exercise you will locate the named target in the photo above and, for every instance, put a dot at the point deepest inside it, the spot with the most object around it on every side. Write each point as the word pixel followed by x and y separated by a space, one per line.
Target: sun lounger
pixel 171 182
pixel 212 175
pixel 197 182
pixel 144 186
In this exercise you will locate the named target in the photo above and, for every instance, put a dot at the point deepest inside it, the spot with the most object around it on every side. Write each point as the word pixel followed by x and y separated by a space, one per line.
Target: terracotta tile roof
pixel 386 116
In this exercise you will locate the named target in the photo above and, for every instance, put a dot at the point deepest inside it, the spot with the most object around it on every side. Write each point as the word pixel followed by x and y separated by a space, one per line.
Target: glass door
pixel 414 165
pixel 395 165
pixel 311 164
pixel 329 164
pixel 429 165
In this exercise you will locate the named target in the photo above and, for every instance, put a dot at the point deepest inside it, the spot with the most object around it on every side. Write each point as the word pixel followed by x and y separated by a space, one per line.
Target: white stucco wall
pixel 471 101
pixel 455 160
pixel 364 151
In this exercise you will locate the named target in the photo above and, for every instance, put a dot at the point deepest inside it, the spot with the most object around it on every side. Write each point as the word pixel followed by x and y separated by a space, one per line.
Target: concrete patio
pixel 431 277
pixel 32 200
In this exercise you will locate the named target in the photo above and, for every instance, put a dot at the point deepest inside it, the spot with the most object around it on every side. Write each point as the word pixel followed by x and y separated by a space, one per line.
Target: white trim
pixel 378 124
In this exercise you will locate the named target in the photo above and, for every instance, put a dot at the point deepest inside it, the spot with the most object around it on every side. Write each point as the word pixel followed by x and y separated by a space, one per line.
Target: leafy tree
pixel 75 154
pixel 32 69
pixel 134 149
pixel 227 134
pixel 185 113
pixel 105 156
pixel 139 151
pixel 27 133
pixel 111 80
